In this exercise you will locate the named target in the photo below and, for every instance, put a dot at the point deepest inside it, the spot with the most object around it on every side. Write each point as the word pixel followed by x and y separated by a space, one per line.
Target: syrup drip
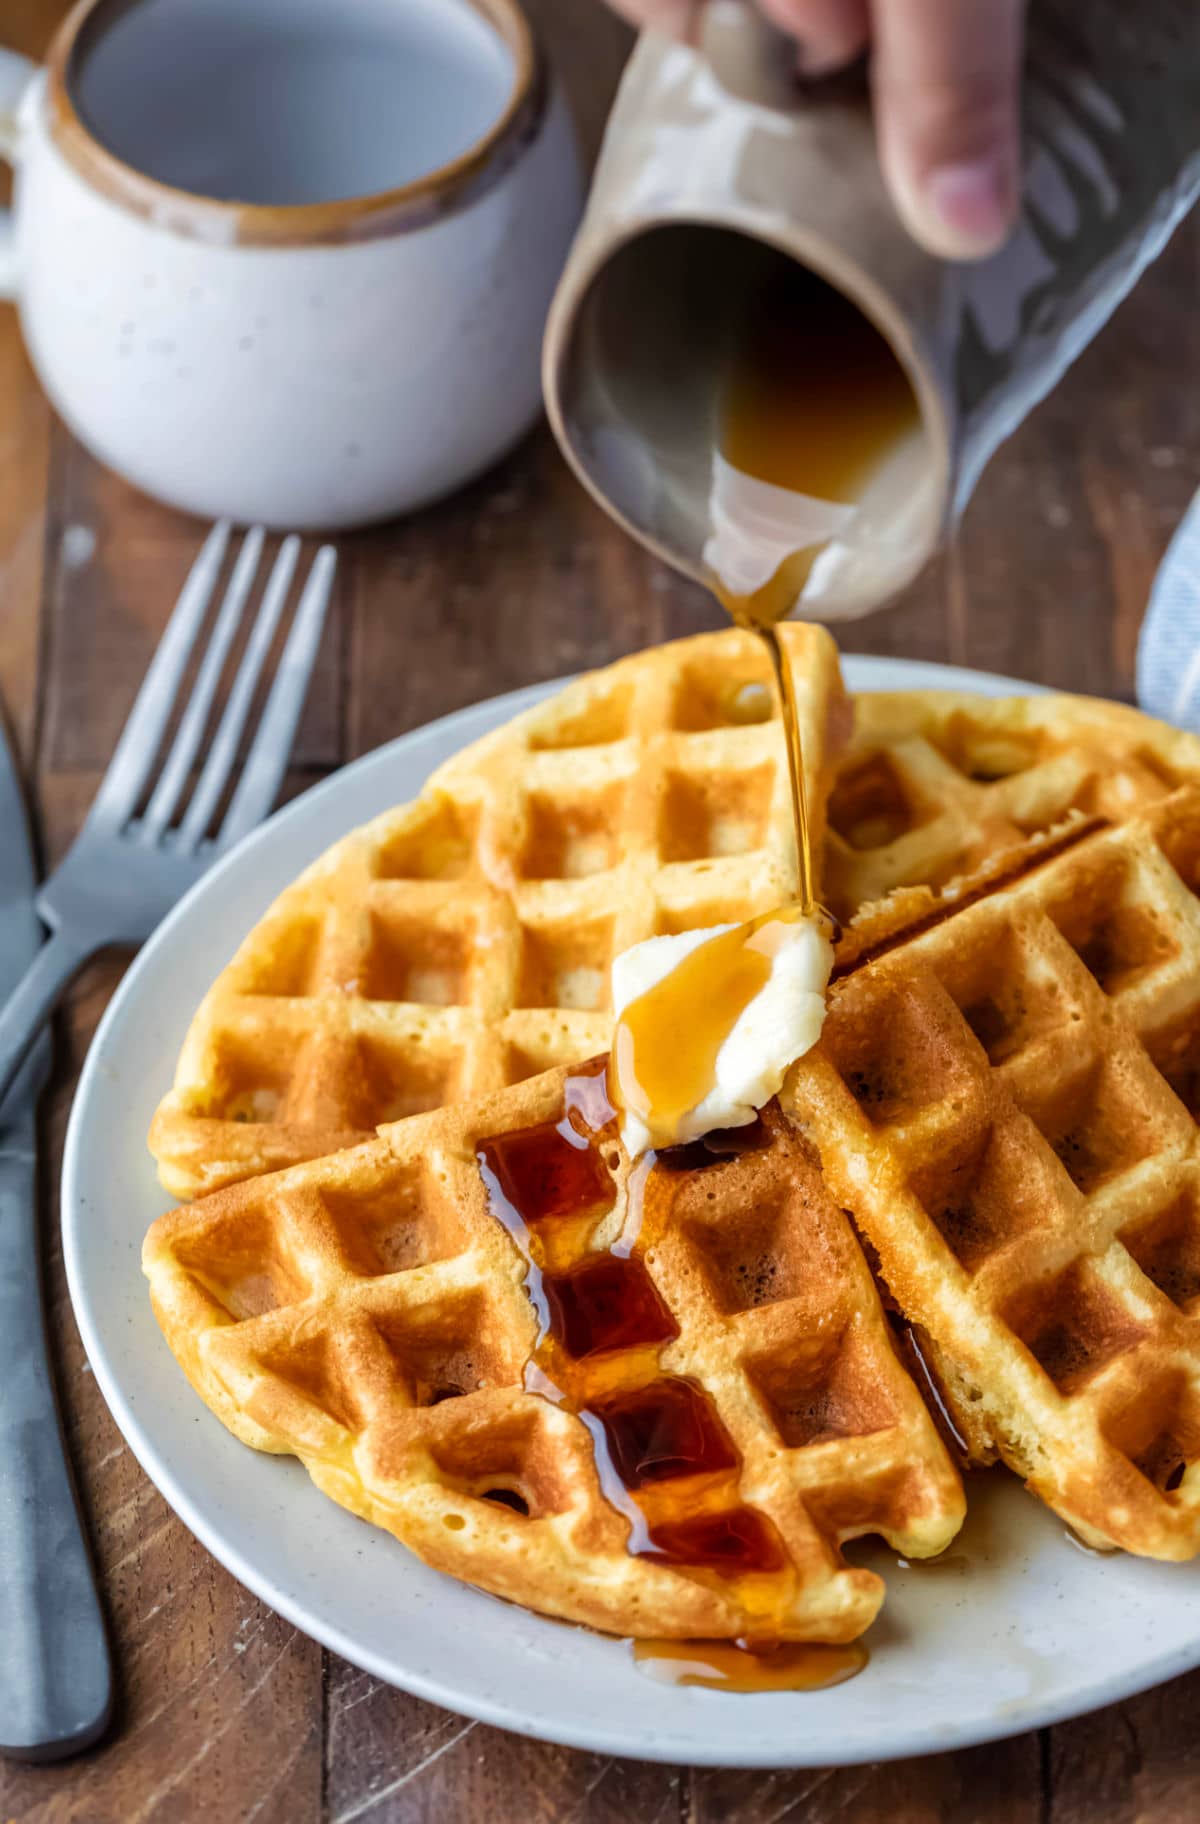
pixel 944 1561
pixel 785 686
pixel 1081 1545
pixel 789 422
pixel 927 1380
pixel 816 402
pixel 723 1665
pixel 666 1042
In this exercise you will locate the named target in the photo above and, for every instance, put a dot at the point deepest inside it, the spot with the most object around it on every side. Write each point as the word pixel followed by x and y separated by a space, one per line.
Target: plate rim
pixel 1026 1714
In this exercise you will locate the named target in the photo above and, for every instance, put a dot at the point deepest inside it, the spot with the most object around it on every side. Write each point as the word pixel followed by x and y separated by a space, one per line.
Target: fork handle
pixel 35 997
pixel 55 1671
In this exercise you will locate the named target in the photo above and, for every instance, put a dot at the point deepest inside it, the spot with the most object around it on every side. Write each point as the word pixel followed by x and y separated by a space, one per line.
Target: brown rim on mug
pixel 358 218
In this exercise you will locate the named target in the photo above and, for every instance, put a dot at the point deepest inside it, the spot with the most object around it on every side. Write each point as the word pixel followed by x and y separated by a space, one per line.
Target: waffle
pixel 463 942
pixel 1004 1101
pixel 934 784
pixel 653 1401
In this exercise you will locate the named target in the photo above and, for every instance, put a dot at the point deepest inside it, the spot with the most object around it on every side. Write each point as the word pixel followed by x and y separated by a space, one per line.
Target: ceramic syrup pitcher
pixel 716 172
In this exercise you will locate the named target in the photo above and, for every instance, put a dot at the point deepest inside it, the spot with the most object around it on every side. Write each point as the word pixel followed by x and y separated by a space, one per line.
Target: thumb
pixel 946 82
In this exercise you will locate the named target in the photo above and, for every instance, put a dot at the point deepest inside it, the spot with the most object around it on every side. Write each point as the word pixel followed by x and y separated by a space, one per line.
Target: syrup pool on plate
pixel 738 1666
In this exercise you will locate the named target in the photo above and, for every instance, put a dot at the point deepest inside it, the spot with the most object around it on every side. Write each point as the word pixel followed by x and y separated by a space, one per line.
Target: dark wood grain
pixel 226 1713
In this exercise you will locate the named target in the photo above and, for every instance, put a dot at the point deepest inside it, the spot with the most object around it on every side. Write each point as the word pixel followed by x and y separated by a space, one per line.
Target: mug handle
pixel 752 59
pixel 16 73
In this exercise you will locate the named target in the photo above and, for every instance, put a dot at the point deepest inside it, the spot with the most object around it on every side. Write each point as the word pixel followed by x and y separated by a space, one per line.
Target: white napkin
pixel 1168 659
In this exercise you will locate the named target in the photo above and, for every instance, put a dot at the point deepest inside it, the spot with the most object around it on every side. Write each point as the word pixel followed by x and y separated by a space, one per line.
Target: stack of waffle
pixel 660 1399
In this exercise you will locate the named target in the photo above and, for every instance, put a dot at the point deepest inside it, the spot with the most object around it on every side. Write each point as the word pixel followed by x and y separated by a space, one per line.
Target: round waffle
pixel 657 1401
pixel 463 942
pixel 1005 1101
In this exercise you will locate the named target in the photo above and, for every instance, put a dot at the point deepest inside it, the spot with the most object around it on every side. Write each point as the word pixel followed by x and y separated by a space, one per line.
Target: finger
pixel 828 33
pixel 674 18
pixel 946 80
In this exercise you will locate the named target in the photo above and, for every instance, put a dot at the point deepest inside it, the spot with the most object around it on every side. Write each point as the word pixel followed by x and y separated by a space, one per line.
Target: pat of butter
pixel 780 1023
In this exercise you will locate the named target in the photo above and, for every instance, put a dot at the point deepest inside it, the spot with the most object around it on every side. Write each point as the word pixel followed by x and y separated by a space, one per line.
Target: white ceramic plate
pixel 1019 1628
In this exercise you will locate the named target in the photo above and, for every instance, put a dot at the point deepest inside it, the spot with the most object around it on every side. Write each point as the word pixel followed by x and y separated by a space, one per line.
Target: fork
pixel 125 871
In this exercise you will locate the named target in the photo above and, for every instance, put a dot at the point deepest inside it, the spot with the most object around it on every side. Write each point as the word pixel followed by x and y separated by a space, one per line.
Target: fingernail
pixel 972 201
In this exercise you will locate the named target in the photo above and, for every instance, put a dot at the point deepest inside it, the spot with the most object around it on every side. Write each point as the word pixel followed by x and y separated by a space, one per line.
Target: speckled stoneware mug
pixel 289 262
pixel 713 167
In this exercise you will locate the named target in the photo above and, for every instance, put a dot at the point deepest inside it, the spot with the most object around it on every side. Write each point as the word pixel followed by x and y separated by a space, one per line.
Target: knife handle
pixel 35 997
pixel 55 1671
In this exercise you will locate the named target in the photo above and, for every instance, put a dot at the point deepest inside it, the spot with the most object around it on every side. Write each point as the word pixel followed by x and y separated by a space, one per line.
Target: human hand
pixel 945 85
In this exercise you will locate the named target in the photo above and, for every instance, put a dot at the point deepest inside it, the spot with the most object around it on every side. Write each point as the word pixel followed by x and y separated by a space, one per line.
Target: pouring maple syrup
pixel 816 403
pixel 815 406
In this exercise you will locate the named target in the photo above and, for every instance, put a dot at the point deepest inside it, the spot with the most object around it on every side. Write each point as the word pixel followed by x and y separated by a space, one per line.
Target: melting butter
pixel 708 1022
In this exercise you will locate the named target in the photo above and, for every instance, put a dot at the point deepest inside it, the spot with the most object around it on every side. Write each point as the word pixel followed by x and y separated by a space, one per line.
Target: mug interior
pixel 285 103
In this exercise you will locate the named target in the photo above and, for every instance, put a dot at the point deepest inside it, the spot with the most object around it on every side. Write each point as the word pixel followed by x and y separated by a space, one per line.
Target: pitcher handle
pixel 750 58
pixel 16 73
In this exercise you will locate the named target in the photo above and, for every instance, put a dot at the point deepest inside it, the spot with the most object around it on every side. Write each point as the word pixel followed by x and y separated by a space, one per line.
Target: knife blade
pixel 20 928
pixel 55 1671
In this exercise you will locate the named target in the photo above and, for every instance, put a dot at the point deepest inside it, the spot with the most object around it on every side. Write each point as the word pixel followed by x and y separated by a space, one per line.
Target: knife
pixel 55 1670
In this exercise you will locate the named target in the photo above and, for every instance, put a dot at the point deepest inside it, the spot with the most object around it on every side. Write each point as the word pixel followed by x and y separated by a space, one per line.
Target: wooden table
pixel 227 1713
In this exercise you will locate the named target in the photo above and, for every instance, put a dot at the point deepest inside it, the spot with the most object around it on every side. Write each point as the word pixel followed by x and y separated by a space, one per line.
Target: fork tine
pixel 186 744
pixel 223 752
pixel 144 726
pixel 267 760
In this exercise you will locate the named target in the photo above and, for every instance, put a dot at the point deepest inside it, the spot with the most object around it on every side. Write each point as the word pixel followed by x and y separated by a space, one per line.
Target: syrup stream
pixel 785 685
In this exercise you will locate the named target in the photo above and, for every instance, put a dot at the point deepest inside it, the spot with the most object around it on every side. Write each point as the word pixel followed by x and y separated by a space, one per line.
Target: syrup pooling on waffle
pixel 464 942
pixel 664 1459
pixel 1006 1104
pixel 667 1430
pixel 934 784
